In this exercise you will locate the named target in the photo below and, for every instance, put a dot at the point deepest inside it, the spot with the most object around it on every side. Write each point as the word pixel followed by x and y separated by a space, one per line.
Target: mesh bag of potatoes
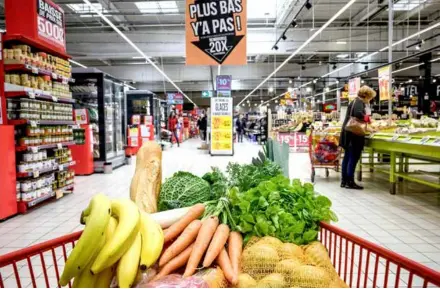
pixel 269 263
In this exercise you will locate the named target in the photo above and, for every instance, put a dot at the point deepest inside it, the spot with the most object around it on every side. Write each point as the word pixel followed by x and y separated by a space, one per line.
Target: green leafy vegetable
pixel 289 211
pixel 183 189
pixel 218 182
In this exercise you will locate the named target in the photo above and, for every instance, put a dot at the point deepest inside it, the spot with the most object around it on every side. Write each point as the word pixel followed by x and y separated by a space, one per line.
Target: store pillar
pixel 425 83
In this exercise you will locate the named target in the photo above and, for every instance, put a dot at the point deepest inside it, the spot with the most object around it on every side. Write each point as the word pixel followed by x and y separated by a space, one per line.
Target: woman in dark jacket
pixel 353 144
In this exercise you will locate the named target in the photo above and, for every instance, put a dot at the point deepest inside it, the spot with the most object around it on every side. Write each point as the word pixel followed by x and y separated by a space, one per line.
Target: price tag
pixel 54 76
pixel 35 70
pixel 34 150
pixel 31 95
pixel 54 99
pixel 59 146
pixel 36 174
pixel 65 80
pixel 424 140
pixel 395 137
pixel 33 123
pixel 60 167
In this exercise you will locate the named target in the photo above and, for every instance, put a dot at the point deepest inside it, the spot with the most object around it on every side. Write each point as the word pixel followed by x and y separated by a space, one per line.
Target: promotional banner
pixel 42 21
pixel 175 98
pixel 384 81
pixel 224 82
pixel 216 32
pixel 222 137
pixel 354 85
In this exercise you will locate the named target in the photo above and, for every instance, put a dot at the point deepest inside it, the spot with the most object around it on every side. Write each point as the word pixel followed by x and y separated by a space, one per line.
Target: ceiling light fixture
pixel 341 42
pixel 77 63
pixel 308 89
pixel 271 89
pixel 434 80
pixel 418 46
pixel 410 80
pixel 137 49
pixel 308 5
pixel 315 80
pixel 284 37
pixel 303 67
pixel 362 81
pixel 299 77
pixel 290 81
pixel 318 32
pixel 334 66
pixel 366 67
pixel 320 63
pixel 294 24
pixel 342 56
pixel 275 47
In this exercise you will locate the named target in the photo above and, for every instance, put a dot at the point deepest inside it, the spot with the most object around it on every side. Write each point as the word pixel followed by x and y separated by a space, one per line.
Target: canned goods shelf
pixel 46 146
pixel 61 167
pixel 37 94
pixel 38 71
pixel 42 122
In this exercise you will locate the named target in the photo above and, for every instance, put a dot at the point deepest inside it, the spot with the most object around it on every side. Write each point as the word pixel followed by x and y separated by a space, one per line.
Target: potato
pixel 259 260
pixel 286 268
pixel 246 281
pixel 307 276
pixel 268 240
pixel 274 280
pixel 290 251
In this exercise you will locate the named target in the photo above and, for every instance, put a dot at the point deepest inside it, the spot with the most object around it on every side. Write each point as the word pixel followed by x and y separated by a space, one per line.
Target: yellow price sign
pixel 222 135
pixel 221 145
pixel 222 122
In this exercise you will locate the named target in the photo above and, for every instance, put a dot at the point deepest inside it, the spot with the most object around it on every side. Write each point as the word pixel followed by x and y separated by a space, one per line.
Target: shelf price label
pixel 36 174
pixel 34 150
pixel 54 99
pixel 59 146
pixel 65 80
pixel 31 95
pixel 60 167
pixel 33 123
pixel 54 76
pixel 35 70
pixel 424 140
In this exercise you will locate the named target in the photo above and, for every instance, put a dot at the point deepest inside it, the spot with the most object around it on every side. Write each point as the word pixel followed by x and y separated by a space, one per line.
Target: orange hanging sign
pixel 216 32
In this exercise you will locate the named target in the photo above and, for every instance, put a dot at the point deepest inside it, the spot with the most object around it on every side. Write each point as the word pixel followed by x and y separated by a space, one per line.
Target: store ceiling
pixel 157 28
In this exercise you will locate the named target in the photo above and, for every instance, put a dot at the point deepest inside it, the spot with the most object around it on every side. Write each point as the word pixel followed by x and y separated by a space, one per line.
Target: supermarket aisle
pixel 405 223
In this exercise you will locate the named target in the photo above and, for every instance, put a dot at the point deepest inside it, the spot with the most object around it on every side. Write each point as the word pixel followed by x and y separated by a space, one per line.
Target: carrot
pixel 235 248
pixel 224 263
pixel 217 244
pixel 202 242
pixel 175 229
pixel 185 239
pixel 175 263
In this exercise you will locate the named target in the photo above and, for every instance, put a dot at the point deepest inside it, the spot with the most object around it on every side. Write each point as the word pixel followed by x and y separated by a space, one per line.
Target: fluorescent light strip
pixel 318 32
pixel 409 67
pixel 324 92
pixel 77 63
pixel 136 48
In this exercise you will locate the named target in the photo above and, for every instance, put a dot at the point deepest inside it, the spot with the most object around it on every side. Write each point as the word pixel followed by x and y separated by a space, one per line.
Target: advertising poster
pixel 215 32
pixel 354 85
pixel 384 81
pixel 50 22
pixel 174 98
pixel 222 142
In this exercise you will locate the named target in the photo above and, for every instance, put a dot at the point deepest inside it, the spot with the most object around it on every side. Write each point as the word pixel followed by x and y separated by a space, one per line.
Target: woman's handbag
pixel 355 125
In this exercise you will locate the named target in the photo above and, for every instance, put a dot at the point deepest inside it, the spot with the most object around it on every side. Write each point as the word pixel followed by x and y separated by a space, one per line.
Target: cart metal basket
pixel 360 263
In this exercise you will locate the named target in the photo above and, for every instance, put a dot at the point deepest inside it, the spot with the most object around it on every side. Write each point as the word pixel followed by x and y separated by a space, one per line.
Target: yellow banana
pixel 128 217
pixel 98 215
pixel 128 264
pixel 152 241
pixel 104 279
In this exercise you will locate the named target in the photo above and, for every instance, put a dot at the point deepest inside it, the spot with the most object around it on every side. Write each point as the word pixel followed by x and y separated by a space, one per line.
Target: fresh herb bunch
pixel 246 177
pixel 218 182
pixel 289 211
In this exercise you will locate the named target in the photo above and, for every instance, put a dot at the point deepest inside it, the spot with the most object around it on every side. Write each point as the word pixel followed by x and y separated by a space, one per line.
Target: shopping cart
pixel 359 263
pixel 324 152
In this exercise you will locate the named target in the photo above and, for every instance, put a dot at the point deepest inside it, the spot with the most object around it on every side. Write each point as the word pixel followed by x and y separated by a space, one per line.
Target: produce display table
pixel 402 149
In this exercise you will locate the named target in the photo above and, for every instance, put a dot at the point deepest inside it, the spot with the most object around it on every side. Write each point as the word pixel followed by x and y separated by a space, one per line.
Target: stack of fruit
pixel 118 240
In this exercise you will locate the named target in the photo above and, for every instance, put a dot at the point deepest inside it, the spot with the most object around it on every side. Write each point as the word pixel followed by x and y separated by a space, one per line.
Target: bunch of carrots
pixel 195 242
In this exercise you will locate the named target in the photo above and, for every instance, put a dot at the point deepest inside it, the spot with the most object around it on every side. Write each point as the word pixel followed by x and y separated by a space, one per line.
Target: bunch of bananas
pixel 118 240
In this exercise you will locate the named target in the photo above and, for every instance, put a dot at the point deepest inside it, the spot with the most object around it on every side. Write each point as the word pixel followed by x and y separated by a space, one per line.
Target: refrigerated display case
pixel 104 98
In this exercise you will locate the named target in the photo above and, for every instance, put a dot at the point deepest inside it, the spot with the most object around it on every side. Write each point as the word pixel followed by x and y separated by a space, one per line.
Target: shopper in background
pixel 354 144
pixel 203 125
pixel 172 126
pixel 239 128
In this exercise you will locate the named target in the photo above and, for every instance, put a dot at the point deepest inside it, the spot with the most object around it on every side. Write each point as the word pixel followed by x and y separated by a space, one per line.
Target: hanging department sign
pixel 50 22
pixel 384 81
pixel 221 126
pixel 216 32
pixel 175 98
pixel 354 85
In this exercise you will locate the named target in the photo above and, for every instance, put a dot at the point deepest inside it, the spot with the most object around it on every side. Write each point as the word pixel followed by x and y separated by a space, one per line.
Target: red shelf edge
pixel 35 44
pixel 12 94
pixel 42 122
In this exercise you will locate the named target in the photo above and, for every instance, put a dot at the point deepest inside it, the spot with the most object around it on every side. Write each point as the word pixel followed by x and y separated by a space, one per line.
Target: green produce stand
pixel 401 149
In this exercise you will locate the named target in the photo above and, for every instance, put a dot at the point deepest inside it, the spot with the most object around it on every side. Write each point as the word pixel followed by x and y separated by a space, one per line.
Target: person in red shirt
pixel 172 126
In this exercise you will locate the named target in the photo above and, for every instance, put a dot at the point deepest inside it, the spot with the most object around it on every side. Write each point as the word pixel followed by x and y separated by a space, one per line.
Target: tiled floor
pixel 407 223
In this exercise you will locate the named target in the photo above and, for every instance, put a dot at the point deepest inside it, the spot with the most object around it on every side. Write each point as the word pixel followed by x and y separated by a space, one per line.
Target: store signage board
pixel 216 32
pixel 81 116
pixel 222 142
pixel 206 94
pixel 44 22
pixel 354 85
pixel 384 80
pixel 175 98
pixel 224 82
